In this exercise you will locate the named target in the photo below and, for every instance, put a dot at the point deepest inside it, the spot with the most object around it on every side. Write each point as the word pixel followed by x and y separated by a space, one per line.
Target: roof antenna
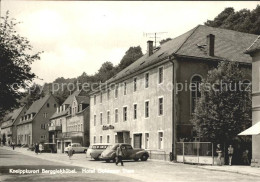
pixel 155 35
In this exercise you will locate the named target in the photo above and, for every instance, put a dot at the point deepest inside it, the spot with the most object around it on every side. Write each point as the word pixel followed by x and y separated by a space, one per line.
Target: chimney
pixel 211 44
pixel 149 48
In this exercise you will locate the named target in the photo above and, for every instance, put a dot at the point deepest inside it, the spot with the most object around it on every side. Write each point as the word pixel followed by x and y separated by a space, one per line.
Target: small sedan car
pixel 76 148
pixel 95 150
pixel 128 153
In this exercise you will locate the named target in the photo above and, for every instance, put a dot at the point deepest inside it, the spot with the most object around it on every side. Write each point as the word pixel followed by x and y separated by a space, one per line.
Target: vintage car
pixel 128 153
pixel 49 148
pixel 95 150
pixel 76 148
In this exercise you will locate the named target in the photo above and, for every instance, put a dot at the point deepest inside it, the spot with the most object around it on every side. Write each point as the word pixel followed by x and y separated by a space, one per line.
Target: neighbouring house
pixel 9 124
pixel 254 52
pixel 33 125
pixel 149 104
pixel 60 130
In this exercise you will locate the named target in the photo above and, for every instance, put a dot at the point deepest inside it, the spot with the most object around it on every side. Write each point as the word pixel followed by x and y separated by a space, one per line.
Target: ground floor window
pixel 94 139
pixel 160 134
pixel 146 140
pixel 108 139
pixel 100 139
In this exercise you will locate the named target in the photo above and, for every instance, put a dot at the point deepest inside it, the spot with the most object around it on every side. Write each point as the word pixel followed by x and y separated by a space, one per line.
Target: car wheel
pixel 107 160
pixel 97 158
pixel 114 160
pixel 136 159
pixel 73 152
pixel 85 151
pixel 144 157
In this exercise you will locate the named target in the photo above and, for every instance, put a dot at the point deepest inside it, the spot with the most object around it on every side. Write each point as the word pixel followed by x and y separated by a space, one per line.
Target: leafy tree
pixel 224 109
pixel 131 55
pixel 106 71
pixel 15 61
pixel 164 41
pixel 34 93
pixel 4 139
pixel 243 21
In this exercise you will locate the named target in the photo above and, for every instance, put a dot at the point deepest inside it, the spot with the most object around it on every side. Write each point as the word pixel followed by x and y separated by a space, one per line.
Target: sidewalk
pixel 246 170
pixel 80 160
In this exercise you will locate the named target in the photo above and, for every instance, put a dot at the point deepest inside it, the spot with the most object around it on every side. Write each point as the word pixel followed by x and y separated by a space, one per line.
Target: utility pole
pixel 155 35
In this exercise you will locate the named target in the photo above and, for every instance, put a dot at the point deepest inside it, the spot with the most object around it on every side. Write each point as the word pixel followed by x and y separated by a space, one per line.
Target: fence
pixel 195 152
pixel 157 154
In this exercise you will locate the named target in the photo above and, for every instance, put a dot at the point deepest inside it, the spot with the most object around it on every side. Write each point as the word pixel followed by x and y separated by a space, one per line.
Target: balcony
pixel 70 134
pixel 54 128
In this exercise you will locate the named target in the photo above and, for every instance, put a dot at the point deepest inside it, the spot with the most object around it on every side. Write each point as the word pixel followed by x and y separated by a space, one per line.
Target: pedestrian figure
pixel 70 151
pixel 36 148
pixel 13 145
pixel 219 152
pixel 40 148
pixel 245 157
pixel 230 154
pixel 119 155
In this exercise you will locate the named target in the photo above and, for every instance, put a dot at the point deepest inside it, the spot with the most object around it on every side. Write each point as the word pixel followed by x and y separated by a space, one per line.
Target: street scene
pixel 129 91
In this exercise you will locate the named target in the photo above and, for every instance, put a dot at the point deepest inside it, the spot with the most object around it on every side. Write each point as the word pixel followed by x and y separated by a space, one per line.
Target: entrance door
pixel 120 138
pixel 137 140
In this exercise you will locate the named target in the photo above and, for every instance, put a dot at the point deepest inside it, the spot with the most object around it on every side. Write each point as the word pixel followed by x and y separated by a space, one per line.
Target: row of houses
pixel 149 104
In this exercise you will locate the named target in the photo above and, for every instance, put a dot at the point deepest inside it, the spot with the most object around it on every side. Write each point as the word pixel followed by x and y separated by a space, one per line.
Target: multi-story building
pixel 149 104
pixel 62 127
pixel 254 51
pixel 9 124
pixel 33 125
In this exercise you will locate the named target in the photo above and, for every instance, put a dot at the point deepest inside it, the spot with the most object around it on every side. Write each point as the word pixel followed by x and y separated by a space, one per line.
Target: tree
pixel 15 61
pixel 224 108
pixel 4 139
pixel 243 21
pixel 131 55
pixel 106 71
pixel 164 41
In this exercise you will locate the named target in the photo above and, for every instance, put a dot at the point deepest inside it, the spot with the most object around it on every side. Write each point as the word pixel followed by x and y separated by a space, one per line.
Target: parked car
pixel 128 153
pixel 95 150
pixel 49 147
pixel 76 148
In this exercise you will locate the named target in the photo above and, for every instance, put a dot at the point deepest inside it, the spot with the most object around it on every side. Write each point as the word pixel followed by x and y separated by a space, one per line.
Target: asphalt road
pixel 11 161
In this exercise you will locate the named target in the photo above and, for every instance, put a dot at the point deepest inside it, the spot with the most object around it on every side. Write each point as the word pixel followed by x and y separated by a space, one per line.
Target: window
pixel 95 99
pixel 95 120
pixel 146 77
pixel 55 105
pixel 160 140
pixel 160 106
pixel 124 88
pixel 124 113
pixel 101 115
pixel 100 139
pixel 195 91
pixel 81 127
pixel 116 91
pixel 94 139
pixel 101 97
pixel 160 79
pixel 147 109
pixel 116 115
pixel 45 115
pixel 108 94
pixel 43 126
pixel 135 84
pixel 146 140
pixel 135 111
pixel 108 139
pixel 108 117
pixel 48 105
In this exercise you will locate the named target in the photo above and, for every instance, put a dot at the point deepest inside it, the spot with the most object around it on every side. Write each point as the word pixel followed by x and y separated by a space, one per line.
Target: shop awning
pixel 253 130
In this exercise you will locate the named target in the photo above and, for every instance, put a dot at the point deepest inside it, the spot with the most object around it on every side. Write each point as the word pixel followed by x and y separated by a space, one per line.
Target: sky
pixel 78 36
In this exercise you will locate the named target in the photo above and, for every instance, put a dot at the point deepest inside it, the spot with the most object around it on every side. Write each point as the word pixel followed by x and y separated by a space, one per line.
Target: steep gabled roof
pixel 254 47
pixel 37 105
pixel 13 116
pixel 229 45
pixel 82 99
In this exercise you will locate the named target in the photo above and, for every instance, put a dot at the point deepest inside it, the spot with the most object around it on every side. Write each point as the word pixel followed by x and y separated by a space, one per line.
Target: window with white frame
pixel 135 84
pixel 108 94
pixel 108 138
pixel 124 88
pixel 95 120
pixel 146 109
pixel 116 115
pixel 160 137
pixel 108 117
pixel 124 113
pixel 101 97
pixel 160 75
pixel 101 118
pixel 100 139
pixel 195 91
pixel 146 77
pixel 135 111
pixel 160 111
pixel 146 140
